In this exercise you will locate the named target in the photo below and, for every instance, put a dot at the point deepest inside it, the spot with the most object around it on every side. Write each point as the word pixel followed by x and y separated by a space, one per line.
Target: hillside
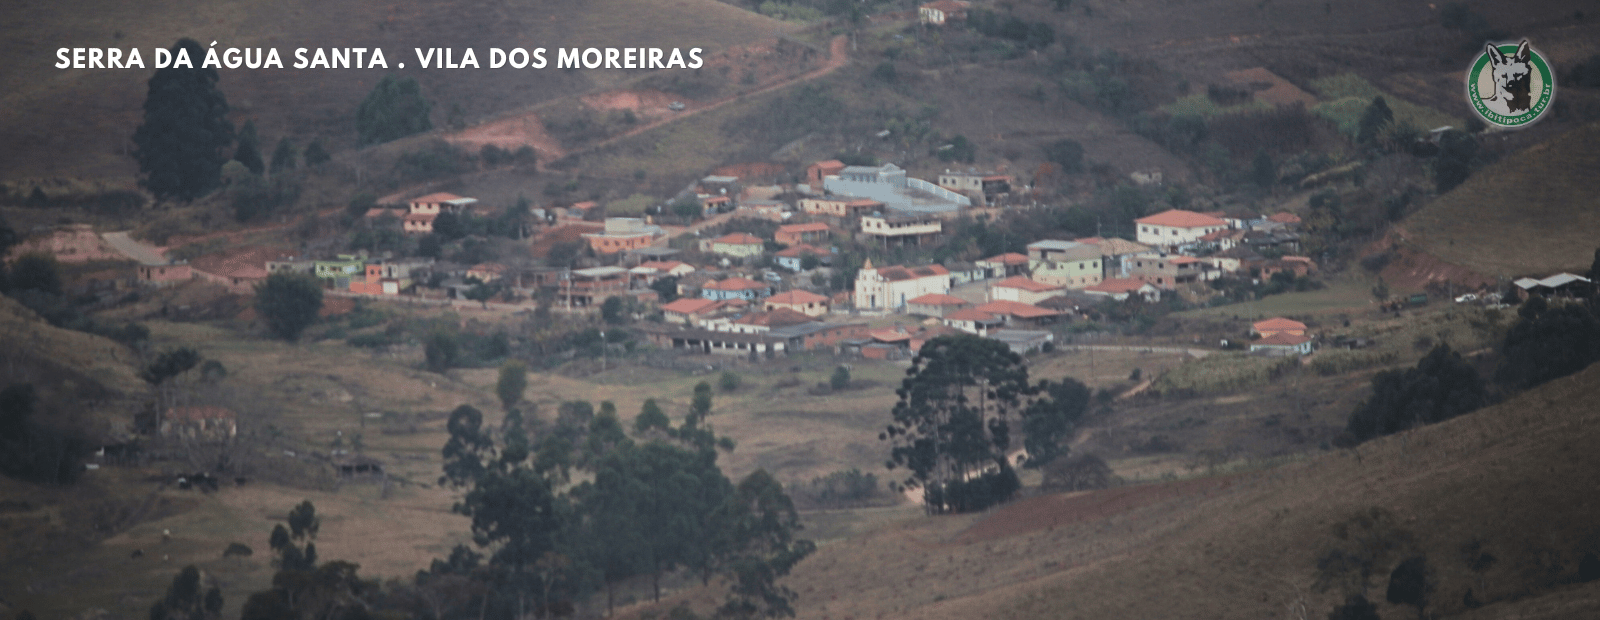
pixel 1515 479
pixel 1511 218
pixel 79 123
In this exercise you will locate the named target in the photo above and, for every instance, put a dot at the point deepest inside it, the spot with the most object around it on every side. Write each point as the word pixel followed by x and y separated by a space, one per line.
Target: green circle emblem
pixel 1511 89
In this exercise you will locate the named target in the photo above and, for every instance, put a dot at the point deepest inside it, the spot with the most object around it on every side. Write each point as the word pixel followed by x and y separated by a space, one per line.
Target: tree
pixel 699 405
pixel 1457 150
pixel 1052 418
pixel 187 600
pixel 513 381
pixel 729 381
pixel 282 157
pixel 1262 171
pixel 651 417
pixel 1409 584
pixel 181 144
pixel 394 109
pixel 1373 120
pixel 1356 607
pixel 1442 386
pixel 441 350
pixel 1594 267
pixel 1549 341
pixel 35 271
pixel 953 419
pixel 763 548
pixel 840 379
pixel 316 154
pixel 448 226
pixel 289 303
pixel 1065 153
pixel 612 311
pixel 666 287
pixel 248 151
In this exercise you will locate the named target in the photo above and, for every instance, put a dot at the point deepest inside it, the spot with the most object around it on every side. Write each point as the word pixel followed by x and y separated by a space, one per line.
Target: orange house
pixel 1278 325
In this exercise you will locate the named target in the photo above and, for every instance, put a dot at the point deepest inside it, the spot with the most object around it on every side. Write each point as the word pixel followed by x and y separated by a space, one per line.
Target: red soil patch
pixel 752 172
pixel 646 104
pixel 1050 511
pixel 1278 92
pixel 510 134
pixel 1411 268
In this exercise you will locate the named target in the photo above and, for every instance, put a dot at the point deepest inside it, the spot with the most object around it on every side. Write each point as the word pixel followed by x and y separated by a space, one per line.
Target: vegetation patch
pixel 1221 373
pixel 1346 96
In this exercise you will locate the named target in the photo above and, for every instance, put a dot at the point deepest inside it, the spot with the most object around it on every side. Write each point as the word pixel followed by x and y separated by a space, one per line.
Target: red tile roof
pixel 936 299
pixel 799 250
pixel 1278 323
pixel 1027 284
pixel 421 217
pixel 970 314
pixel 889 335
pixel 689 305
pixel 738 239
pixel 782 317
pixel 895 274
pixel 436 197
pixel 1017 309
pixel 1284 217
pixel 734 284
pixel 1009 258
pixel 796 297
pixel 799 228
pixel 1178 218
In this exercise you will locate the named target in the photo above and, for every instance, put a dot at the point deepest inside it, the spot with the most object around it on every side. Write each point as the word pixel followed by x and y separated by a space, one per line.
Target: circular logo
pixel 1510 85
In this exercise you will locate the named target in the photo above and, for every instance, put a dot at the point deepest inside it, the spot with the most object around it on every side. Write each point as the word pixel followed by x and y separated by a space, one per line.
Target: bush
pixel 288 303
pixel 729 381
pixel 394 109
pixel 840 379
pixel 1081 472
pixel 1442 386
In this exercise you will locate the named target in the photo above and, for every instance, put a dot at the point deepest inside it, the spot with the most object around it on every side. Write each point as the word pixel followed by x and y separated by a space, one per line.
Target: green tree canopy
pixel 1373 120
pixel 248 150
pixel 289 303
pixel 1442 386
pixel 181 145
pixel 1549 341
pixel 394 109
pixel 512 383
pixel 283 157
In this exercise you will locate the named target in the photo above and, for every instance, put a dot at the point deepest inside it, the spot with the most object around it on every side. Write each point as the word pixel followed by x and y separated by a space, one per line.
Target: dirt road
pixel 140 251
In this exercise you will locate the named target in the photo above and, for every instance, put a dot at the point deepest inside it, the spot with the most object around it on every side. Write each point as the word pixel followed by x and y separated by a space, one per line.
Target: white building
pixel 889 288
pixel 1176 227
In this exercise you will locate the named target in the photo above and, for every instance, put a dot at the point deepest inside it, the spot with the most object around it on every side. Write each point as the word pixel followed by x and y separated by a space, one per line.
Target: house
pixel 1022 289
pixel 1175 227
pixel 974 321
pixel 962 272
pixel 1114 253
pixel 1282 344
pixel 758 322
pixel 1005 265
pixel 1284 217
pixel 1237 259
pixel 773 210
pixel 902 228
pixel 839 206
pixel 804 302
pixel 1169 271
pixel 1278 325
pixel 656 269
pixel 200 423
pixel 591 286
pixel 238 269
pixel 890 185
pixel 889 288
pixel 735 288
pixel 165 274
pixel 794 258
pixel 939 12
pixel 817 335
pixel 389 277
pixel 1018 313
pixel 816 172
pixel 1068 264
pixel 441 202
pixel 486 272
pixel 623 234
pixel 980 185
pixel 1561 284
pixel 693 310
pixel 936 305
pixel 1121 288
pixel 720 186
pixel 340 271
pixel 742 245
pixel 795 234
pixel 1297 266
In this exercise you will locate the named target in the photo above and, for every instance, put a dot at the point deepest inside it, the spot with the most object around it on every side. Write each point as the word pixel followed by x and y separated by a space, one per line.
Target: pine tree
pixel 282 157
pixel 181 144
pixel 248 152
pixel 394 109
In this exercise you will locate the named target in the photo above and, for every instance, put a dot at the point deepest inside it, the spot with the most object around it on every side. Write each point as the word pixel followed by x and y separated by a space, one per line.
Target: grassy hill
pixel 1519 215
pixel 79 123
pixel 1512 481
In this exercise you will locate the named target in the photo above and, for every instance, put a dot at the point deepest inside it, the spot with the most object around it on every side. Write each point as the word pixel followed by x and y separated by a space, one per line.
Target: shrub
pixel 729 381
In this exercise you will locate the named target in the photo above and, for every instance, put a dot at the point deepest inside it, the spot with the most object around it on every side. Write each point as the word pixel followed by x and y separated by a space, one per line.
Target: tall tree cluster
pixel 649 504
pixel 182 143
pixel 953 425
pixel 1442 386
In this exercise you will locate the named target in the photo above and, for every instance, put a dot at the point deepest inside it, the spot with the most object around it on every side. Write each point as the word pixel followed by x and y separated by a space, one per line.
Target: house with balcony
pixel 899 228
pixel 1069 264
pixel 1175 227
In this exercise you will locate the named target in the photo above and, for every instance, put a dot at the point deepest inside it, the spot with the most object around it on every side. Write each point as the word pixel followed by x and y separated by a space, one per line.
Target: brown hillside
pixel 78 122
pixel 1514 478
pixel 1533 212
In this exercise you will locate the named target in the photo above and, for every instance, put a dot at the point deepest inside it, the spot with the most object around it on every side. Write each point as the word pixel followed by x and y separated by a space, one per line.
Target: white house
pixel 1176 227
pixel 889 288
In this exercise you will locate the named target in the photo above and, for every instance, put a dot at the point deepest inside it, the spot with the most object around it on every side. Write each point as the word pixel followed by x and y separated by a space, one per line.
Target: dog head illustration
pixel 1511 78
